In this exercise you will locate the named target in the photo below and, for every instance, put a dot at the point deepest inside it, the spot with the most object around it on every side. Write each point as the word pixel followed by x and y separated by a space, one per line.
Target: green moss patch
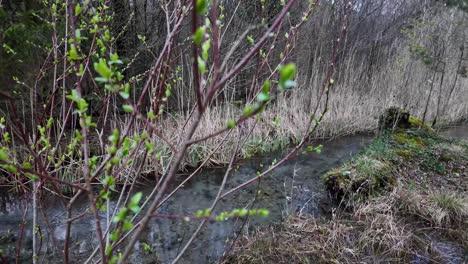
pixel 363 175
pixel 409 140
pixel 416 123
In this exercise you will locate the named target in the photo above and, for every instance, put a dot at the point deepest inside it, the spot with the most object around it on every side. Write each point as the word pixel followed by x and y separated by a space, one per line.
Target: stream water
pixel 294 187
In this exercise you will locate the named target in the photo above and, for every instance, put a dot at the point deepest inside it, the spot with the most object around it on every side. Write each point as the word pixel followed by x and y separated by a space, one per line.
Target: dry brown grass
pixel 445 208
pixel 310 240
pixel 394 228
pixel 355 106
pixel 299 240
pixel 356 101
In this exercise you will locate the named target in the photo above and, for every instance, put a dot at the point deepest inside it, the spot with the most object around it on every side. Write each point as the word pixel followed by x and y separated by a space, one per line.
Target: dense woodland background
pixel 396 53
pixel 407 53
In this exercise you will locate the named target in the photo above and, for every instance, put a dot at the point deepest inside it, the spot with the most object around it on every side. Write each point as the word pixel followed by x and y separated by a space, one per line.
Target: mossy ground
pixel 415 155
pixel 403 199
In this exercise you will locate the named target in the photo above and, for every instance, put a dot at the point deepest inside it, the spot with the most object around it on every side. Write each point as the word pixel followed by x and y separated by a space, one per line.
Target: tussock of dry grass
pixel 440 208
pixel 299 240
pixel 447 208
pixel 310 240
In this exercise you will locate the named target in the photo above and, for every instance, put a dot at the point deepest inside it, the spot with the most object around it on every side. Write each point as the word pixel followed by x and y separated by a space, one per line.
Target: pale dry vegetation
pixel 400 226
pixel 356 100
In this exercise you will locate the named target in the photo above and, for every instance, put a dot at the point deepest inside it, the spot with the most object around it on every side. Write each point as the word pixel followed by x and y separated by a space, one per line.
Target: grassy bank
pixel 402 199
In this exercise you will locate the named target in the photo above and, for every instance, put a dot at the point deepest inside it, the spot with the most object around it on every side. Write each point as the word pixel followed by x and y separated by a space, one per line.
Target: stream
pixel 295 187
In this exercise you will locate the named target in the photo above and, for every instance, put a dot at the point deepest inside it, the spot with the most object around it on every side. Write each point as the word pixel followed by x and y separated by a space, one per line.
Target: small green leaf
pixel 109 181
pixel 201 6
pixel 114 138
pixel 231 123
pixel 127 226
pixel 151 115
pixel 207 212
pixel 247 111
pixel 107 36
pixel 78 35
pixel 73 53
pixel 3 155
pixel 128 108
pixel 243 212
pixel 112 150
pixel 199 213
pixel 114 236
pixel 100 79
pixel 127 88
pixel 114 57
pixel 32 176
pixel 149 147
pixel 263 212
pixel 198 36
pixel 158 155
pixel 235 212
pixel 133 204
pixel 318 149
pixel 287 73
pixel 250 39
pixel 78 10
pixel 124 95
pixel 121 215
pixel 10 168
pixel 276 122
pixel 266 86
pixel 201 65
pixel 26 165
pixel 205 48
pixel 105 194
pixel 263 97
pixel 102 68
pixel 82 105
